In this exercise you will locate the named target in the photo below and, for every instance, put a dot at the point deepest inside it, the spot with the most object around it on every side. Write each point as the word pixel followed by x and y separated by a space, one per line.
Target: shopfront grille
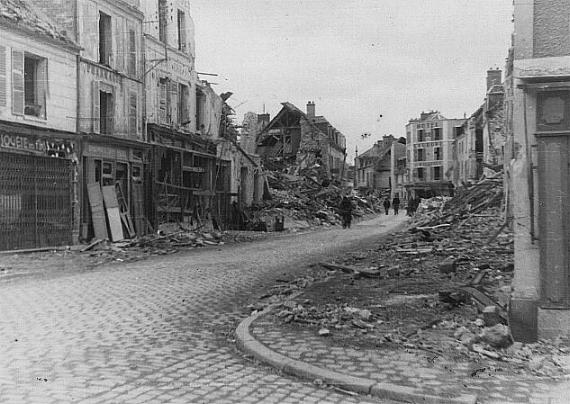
pixel 35 201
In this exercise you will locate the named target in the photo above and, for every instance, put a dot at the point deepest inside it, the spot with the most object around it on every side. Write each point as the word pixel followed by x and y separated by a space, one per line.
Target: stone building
pixel 538 165
pixel 110 98
pixel 373 168
pixel 39 150
pixel 297 140
pixel 429 154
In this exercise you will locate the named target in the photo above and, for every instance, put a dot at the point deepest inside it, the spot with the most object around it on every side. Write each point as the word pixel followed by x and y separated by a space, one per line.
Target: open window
pixel 436 133
pixel 105 39
pixel 181 31
pixel 106 112
pixel 162 20
pixel 35 85
pixel 183 115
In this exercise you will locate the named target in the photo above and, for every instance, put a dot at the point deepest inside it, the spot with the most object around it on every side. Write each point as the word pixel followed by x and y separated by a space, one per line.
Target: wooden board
pixel 97 211
pixel 113 213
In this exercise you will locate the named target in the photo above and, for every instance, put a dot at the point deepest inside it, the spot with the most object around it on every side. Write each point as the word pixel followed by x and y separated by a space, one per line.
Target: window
pixel 553 111
pixel 421 155
pixel 437 153
pixel 162 12
pixel 181 31
pixel 106 112
pixel 35 86
pixel 421 174
pixel 421 135
pixel 436 133
pixel 105 39
pixel 437 173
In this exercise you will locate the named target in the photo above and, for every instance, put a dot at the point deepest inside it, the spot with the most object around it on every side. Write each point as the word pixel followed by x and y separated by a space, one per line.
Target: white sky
pixel 356 59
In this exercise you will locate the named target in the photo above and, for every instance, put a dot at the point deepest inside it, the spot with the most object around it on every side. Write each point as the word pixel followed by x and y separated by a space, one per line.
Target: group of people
pixel 346 207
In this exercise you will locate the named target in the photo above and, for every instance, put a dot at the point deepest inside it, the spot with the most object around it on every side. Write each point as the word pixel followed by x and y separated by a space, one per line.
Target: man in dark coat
pixel 346 212
pixel 386 204
pixel 396 204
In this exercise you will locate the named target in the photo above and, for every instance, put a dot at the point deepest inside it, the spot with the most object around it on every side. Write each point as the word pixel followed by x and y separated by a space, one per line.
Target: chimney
pixel 494 77
pixel 311 109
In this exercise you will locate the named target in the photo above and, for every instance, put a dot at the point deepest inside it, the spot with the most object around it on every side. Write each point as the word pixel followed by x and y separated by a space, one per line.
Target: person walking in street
pixel 346 212
pixel 396 204
pixel 386 204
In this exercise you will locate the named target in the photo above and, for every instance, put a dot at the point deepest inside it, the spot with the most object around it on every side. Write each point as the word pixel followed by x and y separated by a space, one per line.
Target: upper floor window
pixel 181 31
pixel 421 155
pixel 437 153
pixel 29 84
pixel 436 133
pixel 553 109
pixel 421 136
pixel 162 12
pixel 105 39
pixel 132 57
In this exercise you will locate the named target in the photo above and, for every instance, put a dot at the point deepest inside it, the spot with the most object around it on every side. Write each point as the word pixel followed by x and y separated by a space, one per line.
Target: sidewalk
pixel 407 374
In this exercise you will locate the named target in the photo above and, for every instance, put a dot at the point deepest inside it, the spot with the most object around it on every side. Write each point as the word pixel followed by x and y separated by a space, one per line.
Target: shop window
pixel 105 39
pixel 107 177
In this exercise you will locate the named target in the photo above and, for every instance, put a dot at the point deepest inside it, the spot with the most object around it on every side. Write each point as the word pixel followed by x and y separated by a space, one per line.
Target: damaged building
pixel 297 141
pixel 373 168
pixel 429 154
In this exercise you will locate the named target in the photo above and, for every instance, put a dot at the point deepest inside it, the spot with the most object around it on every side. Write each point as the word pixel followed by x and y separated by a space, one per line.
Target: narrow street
pixel 159 330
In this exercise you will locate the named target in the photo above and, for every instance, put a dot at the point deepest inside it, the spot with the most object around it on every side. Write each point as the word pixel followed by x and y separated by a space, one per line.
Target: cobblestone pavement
pixel 430 373
pixel 156 330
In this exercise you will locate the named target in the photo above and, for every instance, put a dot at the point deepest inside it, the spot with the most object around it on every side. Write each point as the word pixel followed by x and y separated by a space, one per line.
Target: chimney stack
pixel 494 77
pixel 311 109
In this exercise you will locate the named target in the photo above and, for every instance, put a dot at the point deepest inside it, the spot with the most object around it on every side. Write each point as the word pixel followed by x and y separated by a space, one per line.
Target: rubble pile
pixel 468 201
pixel 304 200
pixel 161 243
pixel 442 290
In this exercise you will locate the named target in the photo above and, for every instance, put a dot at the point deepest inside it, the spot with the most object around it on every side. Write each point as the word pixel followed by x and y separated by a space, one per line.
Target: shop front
pixel 38 184
pixel 121 163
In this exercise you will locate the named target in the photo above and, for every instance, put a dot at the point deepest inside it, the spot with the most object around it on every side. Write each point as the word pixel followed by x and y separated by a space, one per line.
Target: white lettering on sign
pixel 21 142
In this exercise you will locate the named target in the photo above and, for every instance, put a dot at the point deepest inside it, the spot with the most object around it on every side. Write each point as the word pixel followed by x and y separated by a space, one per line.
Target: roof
pixel 24 16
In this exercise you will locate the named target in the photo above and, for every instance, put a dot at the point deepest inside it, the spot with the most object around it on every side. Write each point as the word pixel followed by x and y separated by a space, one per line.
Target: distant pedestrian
pixel 346 212
pixel 386 204
pixel 396 204
pixel 409 207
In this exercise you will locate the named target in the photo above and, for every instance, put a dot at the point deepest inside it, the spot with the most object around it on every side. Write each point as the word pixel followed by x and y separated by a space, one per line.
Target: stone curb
pixel 247 343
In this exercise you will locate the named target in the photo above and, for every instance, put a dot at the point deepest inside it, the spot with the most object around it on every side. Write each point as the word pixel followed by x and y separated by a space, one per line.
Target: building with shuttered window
pixel 38 148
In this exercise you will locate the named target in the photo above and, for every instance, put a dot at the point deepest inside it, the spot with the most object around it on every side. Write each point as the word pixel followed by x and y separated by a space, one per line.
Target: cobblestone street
pixel 157 330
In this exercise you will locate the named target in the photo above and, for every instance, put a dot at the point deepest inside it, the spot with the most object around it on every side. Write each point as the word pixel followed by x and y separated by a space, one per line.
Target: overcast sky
pixel 357 59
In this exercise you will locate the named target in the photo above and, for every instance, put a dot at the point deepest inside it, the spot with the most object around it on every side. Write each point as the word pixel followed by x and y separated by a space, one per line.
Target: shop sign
pixel 35 144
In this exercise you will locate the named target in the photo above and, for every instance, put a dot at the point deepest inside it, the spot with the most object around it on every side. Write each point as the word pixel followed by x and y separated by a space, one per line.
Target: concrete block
pixel 552 323
pixel 491 316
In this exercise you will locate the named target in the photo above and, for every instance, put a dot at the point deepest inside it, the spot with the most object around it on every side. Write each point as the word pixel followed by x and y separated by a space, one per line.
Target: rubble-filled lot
pixel 441 287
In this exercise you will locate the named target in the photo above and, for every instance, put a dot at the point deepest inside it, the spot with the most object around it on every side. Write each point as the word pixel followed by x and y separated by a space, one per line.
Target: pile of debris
pixel 303 199
pixel 469 200
pixel 161 243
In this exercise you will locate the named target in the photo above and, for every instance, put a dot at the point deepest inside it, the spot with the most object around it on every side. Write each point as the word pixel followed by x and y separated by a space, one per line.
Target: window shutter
pixel 43 83
pixel 3 94
pixel 119 38
pixel 95 107
pixel 173 92
pixel 133 114
pixel 162 101
pixel 17 82
pixel 132 53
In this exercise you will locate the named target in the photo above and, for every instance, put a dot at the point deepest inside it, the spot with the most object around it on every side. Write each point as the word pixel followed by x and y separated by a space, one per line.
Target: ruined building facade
pixel 538 151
